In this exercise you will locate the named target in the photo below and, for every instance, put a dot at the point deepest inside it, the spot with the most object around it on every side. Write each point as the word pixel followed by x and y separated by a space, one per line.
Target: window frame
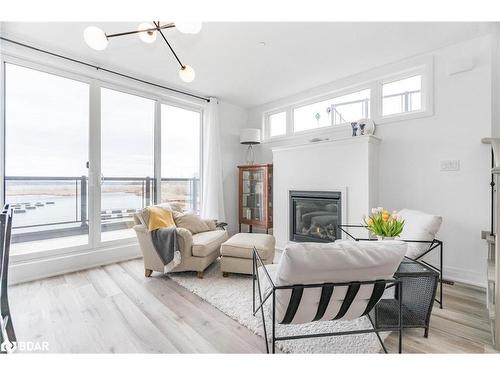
pixel 267 128
pixel 373 81
pixel 158 141
pixel 96 80
pixel 426 94
pixel 331 96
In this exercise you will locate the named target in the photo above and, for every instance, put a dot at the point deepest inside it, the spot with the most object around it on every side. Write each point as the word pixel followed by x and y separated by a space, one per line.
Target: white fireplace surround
pixel 347 165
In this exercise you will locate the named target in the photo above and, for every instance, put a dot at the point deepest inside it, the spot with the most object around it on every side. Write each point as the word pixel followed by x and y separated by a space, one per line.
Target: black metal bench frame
pixel 258 264
pixel 433 245
pixel 7 334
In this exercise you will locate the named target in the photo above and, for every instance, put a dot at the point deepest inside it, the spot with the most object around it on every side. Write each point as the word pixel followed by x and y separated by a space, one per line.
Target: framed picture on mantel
pixel 256 196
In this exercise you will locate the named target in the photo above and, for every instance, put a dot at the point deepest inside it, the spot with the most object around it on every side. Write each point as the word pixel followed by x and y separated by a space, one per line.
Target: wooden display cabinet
pixel 256 196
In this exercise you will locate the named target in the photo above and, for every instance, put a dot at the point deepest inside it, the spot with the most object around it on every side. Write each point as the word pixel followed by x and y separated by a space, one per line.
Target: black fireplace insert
pixel 314 216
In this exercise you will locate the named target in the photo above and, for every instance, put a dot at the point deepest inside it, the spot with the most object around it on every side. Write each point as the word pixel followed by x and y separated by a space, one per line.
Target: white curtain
pixel 212 205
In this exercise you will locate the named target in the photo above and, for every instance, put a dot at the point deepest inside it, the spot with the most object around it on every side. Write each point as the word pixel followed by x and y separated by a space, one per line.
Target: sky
pixel 47 130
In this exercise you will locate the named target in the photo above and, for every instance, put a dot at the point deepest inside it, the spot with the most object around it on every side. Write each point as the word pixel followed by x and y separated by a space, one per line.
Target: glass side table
pixel 419 285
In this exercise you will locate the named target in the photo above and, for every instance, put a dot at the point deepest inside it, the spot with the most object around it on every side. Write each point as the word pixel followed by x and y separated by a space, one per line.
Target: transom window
pixel 335 111
pixel 277 124
pixel 404 95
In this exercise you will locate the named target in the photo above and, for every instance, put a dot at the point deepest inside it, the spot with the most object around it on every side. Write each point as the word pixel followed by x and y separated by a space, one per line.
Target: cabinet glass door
pixel 253 195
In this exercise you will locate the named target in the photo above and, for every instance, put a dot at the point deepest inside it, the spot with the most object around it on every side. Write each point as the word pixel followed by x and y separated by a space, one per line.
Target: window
pixel 339 110
pixel 46 150
pixel 180 156
pixel 50 127
pixel 402 96
pixel 127 174
pixel 277 124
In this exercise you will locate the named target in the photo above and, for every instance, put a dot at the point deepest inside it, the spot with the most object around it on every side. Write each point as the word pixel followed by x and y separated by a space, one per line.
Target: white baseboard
pixel 465 276
pixel 30 270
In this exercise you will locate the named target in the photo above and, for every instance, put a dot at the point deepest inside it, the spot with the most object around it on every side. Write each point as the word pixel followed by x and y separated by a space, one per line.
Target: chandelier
pixel 97 39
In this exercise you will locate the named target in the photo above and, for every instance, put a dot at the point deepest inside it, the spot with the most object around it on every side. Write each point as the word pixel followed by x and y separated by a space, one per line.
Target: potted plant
pixel 383 224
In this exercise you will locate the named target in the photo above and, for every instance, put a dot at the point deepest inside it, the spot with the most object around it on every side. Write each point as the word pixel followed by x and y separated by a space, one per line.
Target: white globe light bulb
pixel 188 27
pixel 147 36
pixel 95 38
pixel 187 73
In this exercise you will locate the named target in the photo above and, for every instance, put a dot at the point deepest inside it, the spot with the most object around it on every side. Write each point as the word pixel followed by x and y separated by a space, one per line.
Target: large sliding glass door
pixel 51 123
pixel 46 151
pixel 127 160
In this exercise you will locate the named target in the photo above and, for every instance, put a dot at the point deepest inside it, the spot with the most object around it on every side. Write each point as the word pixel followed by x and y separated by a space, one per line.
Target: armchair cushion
pixel 205 243
pixel 191 222
pixel 419 226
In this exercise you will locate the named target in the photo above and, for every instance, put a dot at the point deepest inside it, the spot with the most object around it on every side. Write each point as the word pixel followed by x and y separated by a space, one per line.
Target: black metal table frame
pixel 434 244
pixel 258 263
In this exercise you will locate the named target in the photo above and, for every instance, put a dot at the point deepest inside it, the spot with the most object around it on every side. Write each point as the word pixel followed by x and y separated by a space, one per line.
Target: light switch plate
pixel 450 165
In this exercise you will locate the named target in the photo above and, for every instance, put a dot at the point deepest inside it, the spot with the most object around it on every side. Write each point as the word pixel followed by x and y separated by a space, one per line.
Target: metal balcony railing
pixel 406 100
pixel 121 198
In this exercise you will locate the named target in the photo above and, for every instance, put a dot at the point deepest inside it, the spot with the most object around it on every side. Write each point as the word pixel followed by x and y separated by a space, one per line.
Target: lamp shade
pixel 95 38
pixel 250 136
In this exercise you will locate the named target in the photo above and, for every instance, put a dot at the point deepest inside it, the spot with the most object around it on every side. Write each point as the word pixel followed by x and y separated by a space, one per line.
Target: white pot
pixel 382 238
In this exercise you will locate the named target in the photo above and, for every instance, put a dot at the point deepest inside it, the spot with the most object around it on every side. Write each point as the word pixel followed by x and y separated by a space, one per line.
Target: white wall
pixel 232 119
pixel 411 151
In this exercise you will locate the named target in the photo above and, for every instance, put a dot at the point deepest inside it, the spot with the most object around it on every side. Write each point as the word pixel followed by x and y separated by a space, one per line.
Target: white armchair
pixel 197 251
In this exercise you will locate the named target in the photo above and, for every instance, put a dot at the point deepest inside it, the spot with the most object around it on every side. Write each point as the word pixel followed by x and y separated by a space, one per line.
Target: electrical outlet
pixel 450 165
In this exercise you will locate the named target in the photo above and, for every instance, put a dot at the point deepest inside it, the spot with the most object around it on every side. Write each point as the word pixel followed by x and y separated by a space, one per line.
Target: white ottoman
pixel 237 252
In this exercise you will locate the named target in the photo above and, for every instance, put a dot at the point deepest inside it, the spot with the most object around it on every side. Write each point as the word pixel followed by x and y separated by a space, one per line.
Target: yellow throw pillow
pixel 160 218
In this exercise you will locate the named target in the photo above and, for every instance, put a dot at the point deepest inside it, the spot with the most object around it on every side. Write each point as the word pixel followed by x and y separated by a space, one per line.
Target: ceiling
pixel 231 63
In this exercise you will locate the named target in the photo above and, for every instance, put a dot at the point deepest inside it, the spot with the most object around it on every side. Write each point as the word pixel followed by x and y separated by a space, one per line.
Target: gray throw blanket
pixel 165 243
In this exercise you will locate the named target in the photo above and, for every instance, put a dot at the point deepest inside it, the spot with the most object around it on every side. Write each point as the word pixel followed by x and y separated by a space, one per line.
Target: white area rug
pixel 233 296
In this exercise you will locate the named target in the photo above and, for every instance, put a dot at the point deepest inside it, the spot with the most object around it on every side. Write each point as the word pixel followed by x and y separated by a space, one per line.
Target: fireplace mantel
pixel 349 165
pixel 329 142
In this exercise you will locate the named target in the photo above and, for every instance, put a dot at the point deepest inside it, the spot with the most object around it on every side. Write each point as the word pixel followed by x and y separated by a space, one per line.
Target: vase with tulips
pixel 383 224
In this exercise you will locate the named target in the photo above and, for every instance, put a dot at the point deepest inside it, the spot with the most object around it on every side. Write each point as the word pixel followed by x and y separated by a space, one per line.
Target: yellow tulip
pixel 385 216
pixel 370 221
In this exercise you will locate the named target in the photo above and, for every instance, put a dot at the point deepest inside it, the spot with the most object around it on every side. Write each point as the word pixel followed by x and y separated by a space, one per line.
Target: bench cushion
pixel 341 261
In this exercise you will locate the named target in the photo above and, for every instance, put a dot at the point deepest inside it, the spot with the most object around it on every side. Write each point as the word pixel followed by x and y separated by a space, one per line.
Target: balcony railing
pixel 67 200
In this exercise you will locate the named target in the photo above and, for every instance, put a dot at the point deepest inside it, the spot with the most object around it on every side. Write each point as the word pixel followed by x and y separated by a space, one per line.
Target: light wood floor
pixel 115 309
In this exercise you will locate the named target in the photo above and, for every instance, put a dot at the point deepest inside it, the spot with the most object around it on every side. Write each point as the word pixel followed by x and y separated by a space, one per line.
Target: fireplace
pixel 314 216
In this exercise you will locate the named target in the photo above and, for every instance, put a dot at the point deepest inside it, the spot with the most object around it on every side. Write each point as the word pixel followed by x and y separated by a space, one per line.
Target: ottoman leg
pixel 225 274
pixel 199 275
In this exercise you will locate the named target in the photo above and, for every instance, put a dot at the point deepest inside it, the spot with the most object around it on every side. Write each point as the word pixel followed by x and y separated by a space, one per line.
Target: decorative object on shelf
pixel 367 126
pixel 255 196
pixel 250 137
pixel 97 39
pixel 383 224
pixel 354 126
pixel 362 128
